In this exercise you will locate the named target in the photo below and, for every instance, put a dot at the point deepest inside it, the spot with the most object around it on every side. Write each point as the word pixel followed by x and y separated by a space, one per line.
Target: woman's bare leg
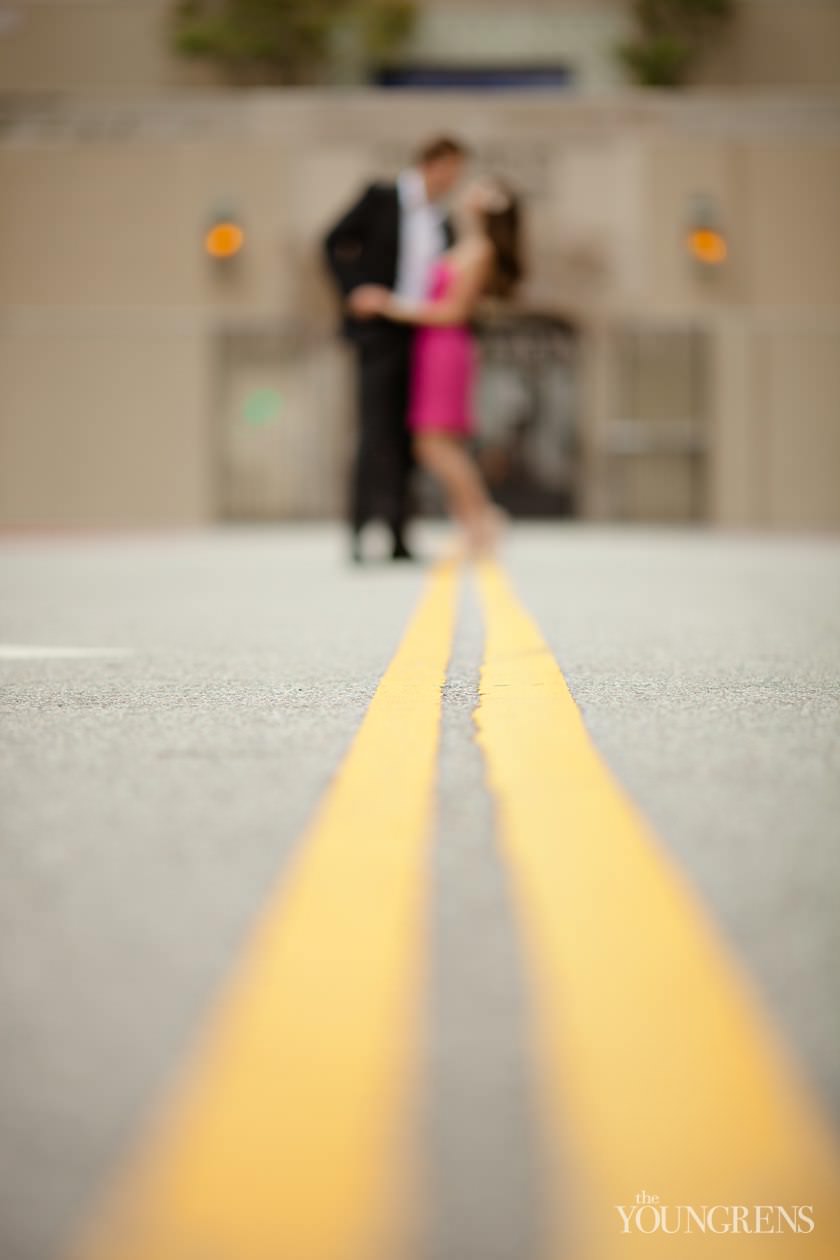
pixel 448 461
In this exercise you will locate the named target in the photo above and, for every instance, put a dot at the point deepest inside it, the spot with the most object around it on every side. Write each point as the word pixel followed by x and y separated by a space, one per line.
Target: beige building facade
pixel 131 362
pixel 104 46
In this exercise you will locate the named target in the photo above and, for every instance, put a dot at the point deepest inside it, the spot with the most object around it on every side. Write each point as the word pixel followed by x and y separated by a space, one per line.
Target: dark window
pixel 486 78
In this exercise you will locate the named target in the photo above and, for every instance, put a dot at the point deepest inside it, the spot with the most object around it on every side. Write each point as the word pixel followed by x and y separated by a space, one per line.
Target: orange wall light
pixel 224 239
pixel 707 245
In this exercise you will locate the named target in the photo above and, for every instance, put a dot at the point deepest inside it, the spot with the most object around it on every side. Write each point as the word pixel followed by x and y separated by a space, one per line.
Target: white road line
pixel 37 652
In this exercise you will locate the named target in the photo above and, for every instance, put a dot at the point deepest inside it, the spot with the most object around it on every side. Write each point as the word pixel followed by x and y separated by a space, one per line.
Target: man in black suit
pixel 390 237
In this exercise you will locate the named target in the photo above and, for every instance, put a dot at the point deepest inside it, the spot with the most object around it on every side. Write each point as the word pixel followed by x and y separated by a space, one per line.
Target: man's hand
pixel 367 300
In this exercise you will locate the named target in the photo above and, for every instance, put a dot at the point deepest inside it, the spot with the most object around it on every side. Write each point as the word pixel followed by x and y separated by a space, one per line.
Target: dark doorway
pixel 527 404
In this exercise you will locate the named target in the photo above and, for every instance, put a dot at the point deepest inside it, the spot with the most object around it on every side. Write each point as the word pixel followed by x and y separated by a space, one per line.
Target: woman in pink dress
pixel 484 261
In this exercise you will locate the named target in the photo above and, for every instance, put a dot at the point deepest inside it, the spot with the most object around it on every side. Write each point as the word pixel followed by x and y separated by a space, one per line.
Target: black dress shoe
pixel 400 551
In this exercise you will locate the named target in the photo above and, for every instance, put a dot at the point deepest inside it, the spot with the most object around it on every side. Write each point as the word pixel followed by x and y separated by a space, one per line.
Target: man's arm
pixel 344 243
pixel 456 307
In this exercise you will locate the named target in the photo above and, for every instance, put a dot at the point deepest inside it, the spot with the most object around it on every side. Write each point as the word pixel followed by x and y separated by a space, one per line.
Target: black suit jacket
pixel 363 248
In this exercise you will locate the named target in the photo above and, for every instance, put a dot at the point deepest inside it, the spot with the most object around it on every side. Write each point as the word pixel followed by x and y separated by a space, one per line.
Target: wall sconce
pixel 225 236
pixel 705 239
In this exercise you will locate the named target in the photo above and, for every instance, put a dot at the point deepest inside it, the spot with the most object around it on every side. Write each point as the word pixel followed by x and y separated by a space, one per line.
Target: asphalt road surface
pixel 174 711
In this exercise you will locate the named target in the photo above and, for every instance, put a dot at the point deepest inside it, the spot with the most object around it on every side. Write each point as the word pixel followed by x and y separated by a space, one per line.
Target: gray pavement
pixel 150 799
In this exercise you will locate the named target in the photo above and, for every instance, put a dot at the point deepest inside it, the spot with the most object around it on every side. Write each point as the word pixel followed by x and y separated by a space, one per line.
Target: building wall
pixel 85 46
pixel 103 420
pixel 90 46
pixel 778 43
pixel 115 402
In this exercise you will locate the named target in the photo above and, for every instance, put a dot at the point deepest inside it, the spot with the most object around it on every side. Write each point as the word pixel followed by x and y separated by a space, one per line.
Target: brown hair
pixel 503 231
pixel 440 147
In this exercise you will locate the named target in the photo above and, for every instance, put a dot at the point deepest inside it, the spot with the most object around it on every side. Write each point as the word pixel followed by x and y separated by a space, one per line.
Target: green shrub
pixel 672 37
pixel 286 41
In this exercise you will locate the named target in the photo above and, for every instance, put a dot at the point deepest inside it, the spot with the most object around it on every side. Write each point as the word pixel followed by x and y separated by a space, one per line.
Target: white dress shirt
pixel 422 238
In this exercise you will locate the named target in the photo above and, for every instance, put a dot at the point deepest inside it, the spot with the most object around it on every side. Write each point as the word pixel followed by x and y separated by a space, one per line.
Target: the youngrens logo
pixel 648 1215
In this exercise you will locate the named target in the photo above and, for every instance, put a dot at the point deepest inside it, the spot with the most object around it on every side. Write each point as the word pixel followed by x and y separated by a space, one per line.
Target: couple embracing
pixel 411 281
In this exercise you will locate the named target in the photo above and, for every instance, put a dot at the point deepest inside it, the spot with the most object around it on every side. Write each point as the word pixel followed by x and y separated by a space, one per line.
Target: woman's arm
pixel 458 304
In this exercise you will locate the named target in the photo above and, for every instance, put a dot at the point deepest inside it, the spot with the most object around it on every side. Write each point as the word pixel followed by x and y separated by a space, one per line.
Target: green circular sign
pixel 262 406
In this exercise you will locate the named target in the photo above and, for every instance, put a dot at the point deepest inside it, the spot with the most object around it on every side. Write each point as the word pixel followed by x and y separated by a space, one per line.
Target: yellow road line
pixel 286 1138
pixel 657 1071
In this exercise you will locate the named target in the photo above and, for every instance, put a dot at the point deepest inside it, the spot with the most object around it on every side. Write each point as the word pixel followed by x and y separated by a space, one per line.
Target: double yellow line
pixel 288 1135
pixel 658 1073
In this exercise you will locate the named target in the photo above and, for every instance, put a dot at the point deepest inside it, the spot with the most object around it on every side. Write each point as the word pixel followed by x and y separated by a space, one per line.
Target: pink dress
pixel 442 370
